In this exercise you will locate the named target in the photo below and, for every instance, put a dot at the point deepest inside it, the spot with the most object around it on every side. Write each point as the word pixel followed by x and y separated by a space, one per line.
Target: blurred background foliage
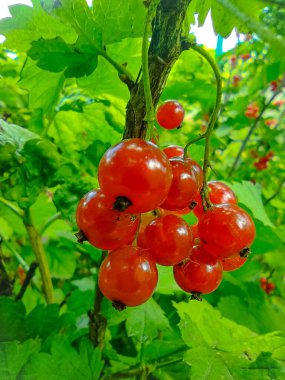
pixel 60 111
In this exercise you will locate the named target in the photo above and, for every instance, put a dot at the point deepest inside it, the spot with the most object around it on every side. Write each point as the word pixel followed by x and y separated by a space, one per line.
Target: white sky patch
pixel 205 35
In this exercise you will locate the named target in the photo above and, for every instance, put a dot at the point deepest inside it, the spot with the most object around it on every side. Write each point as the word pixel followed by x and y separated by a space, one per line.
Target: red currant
pixel 137 174
pixel 218 193
pixel 170 114
pixel 174 151
pixel 128 276
pixel 184 186
pixel 169 239
pixel 226 230
pixel 233 263
pixel 200 273
pixel 104 227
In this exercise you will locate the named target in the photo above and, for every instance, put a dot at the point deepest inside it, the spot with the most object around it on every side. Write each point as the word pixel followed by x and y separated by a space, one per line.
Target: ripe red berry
pixel 174 151
pixel 137 174
pixel 170 114
pixel 226 230
pixel 218 193
pixel 168 239
pixel 184 186
pixel 104 227
pixel 233 263
pixel 193 165
pixel 200 273
pixel 128 276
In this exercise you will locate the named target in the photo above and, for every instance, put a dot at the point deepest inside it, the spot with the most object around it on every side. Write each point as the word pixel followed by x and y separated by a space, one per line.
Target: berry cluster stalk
pixel 207 135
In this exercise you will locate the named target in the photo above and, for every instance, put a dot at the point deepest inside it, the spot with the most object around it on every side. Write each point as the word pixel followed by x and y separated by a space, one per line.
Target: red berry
pixel 128 276
pixel 169 239
pixel 233 263
pixel 193 165
pixel 174 151
pixel 195 233
pixel 218 193
pixel 137 174
pixel 184 186
pixel 200 273
pixel 170 114
pixel 226 230
pixel 245 56
pixel 104 227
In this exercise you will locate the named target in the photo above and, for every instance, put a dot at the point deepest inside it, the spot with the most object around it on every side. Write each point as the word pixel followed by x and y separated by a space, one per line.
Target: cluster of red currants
pixel 262 162
pixel 137 216
pixel 252 111
pixel 267 285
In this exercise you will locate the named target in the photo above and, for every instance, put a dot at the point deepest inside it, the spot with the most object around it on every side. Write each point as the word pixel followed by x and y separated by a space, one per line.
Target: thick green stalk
pixel 40 255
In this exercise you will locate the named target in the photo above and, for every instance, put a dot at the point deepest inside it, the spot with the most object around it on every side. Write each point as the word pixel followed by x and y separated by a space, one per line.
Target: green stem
pixel 251 130
pixel 19 258
pixel 150 115
pixel 208 133
pixel 50 221
pixel 40 255
pixel 126 76
pixel 192 142
pixel 16 210
pixel 98 323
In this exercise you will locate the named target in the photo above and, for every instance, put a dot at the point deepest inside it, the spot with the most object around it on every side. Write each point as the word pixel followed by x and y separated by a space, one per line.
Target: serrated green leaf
pixel 144 322
pixel 44 87
pixel 119 19
pixel 31 23
pixel 57 56
pixel 61 258
pixel 13 358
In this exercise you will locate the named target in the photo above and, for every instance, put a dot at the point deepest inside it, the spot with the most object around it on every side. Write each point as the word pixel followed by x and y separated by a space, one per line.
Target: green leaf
pixel 61 258
pixel 77 14
pixel 250 195
pixel 144 322
pixel 64 362
pixel 44 86
pixel 13 358
pixel 119 19
pixel 266 239
pixel 31 23
pixel 56 56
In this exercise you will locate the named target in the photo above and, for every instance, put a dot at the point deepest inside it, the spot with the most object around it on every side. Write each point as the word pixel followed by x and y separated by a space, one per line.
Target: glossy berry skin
pixel 138 171
pixel 184 186
pixel 225 230
pixel 174 151
pixel 104 227
pixel 170 114
pixel 200 273
pixel 218 193
pixel 128 276
pixel 168 239
pixel 193 165
pixel 233 263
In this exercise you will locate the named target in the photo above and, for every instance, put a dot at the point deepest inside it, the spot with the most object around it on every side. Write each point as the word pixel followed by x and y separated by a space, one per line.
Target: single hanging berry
pixel 104 227
pixel 226 230
pixel 233 263
pixel 168 239
pixel 184 187
pixel 170 114
pixel 199 274
pixel 137 174
pixel 218 193
pixel 128 276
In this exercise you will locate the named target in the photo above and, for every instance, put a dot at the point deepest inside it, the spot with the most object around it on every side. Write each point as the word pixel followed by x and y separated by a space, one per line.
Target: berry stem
pixel 98 323
pixel 207 135
pixel 150 115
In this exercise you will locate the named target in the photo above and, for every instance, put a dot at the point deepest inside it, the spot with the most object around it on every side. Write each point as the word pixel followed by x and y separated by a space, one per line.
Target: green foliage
pixel 62 106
